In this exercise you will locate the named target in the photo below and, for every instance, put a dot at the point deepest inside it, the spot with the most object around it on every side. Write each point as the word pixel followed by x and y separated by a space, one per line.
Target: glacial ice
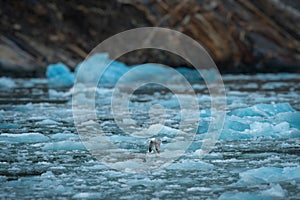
pixel 88 195
pixel 272 86
pixel 59 75
pixel 269 175
pixel 33 165
pixel 47 122
pixel 7 83
pixel 191 75
pixel 293 118
pixel 274 192
pixel 64 136
pixel 198 165
pixel 111 74
pixel 261 121
pixel 263 110
pixel 9 125
pixel 57 94
pixel 23 138
pixel 236 124
pixel 64 145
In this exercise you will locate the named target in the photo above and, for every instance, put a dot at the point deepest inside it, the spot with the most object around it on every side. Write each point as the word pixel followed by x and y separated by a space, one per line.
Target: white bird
pixel 154 142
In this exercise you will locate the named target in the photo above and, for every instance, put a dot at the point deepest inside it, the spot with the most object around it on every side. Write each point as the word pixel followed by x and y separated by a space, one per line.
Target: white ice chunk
pixel 88 195
pixel 56 94
pixel 47 122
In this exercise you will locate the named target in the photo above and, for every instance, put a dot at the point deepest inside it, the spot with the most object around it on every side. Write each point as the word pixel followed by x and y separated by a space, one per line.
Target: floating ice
pixel 59 75
pixel 7 83
pixel 88 195
pixel 258 121
pixel 23 138
pixel 293 118
pixel 65 145
pixel 269 175
pixel 191 75
pixel 275 192
pixel 190 165
pixel 155 73
pixel 236 123
pixel 47 122
pixel 240 195
pixel 263 110
pixel 273 86
pixel 113 70
pixel 9 125
pixel 64 136
pixel 57 94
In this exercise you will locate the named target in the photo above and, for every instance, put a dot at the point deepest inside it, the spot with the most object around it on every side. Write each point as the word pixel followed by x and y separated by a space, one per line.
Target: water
pixel 42 156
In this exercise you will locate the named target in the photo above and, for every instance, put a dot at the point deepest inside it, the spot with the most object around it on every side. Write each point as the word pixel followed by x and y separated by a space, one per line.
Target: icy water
pixel 256 157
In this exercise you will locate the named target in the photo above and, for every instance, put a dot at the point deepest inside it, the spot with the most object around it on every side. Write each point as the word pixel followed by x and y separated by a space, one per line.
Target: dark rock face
pixel 58 31
pixel 241 36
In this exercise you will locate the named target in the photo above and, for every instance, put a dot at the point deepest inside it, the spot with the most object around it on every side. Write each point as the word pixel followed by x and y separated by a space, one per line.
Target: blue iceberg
pixel 59 75
pixel 114 70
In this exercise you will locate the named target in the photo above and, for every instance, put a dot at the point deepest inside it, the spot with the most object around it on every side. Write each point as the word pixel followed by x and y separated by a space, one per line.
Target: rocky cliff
pixel 241 36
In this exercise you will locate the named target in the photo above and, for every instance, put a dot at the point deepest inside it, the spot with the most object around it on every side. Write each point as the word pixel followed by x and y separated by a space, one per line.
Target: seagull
pixel 154 142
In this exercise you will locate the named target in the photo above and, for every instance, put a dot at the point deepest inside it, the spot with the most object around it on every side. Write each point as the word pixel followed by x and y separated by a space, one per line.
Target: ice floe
pixel 263 110
pixel 274 192
pixel 269 175
pixel 23 138
pixel 64 145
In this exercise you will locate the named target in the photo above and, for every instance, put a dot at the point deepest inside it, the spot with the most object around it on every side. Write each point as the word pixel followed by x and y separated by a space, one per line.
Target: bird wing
pixel 157 147
pixel 151 146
